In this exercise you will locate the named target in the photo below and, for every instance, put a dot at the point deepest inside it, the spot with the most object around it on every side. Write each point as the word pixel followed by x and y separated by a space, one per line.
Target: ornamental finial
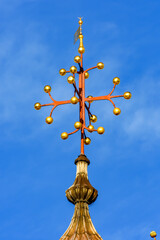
pixel 81 193
pixel 77 77
pixel 80 24
pixel 153 234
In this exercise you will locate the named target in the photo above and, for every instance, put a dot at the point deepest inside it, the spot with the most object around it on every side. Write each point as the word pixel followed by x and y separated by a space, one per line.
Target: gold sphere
pixel 73 69
pixel 37 106
pixel 90 97
pixel 153 234
pixel 64 135
pixel 87 141
pixel 49 120
pixel 81 50
pixel 78 125
pixel 127 95
pixel 77 59
pixel 101 130
pixel 80 22
pixel 86 75
pixel 71 79
pixel 116 80
pixel 100 65
pixel 74 100
pixel 47 88
pixel 62 72
pixel 93 118
pixel 91 127
pixel 116 111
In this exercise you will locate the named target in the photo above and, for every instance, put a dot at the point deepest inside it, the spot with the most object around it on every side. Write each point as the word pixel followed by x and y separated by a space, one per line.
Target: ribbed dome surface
pixel 81 226
pixel 81 190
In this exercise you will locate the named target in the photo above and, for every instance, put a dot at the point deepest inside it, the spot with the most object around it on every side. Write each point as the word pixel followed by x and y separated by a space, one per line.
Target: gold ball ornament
pixel 37 106
pixel 86 75
pixel 71 79
pixel 74 100
pixel 100 65
pixel 77 59
pixel 47 88
pixel 78 125
pixel 116 111
pixel 153 234
pixel 73 69
pixel 49 120
pixel 87 141
pixel 64 135
pixel 93 118
pixel 91 127
pixel 116 80
pixel 127 95
pixel 101 130
pixel 81 50
pixel 80 22
pixel 62 72
pixel 90 97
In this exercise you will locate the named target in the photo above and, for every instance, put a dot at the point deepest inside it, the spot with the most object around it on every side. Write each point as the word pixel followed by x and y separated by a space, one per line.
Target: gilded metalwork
pixel 79 95
pixel 81 193
pixel 153 234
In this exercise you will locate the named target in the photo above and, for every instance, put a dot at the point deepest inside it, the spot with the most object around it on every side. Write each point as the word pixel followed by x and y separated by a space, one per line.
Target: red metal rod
pixel 48 104
pixel 82 106
pixel 52 110
pixel 117 96
pixel 106 97
pixel 112 102
pixel 90 69
pixel 51 97
pixel 73 132
pixel 80 97
pixel 90 130
pixel 112 90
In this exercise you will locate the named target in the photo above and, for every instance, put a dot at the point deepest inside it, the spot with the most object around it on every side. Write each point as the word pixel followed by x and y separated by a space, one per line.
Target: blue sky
pixel 36 167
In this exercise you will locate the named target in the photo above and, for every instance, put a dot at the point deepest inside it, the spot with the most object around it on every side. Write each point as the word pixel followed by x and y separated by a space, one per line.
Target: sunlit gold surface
pixel 153 234
pixel 90 97
pixel 87 141
pixel 77 59
pixel 71 79
pixel 81 48
pixel 73 69
pixel 116 80
pixel 49 120
pixel 101 130
pixel 64 135
pixel 80 21
pixel 91 127
pixel 116 111
pixel 93 118
pixel 74 100
pixel 78 125
pixel 100 65
pixel 62 72
pixel 127 95
pixel 86 75
pixel 37 106
pixel 47 88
